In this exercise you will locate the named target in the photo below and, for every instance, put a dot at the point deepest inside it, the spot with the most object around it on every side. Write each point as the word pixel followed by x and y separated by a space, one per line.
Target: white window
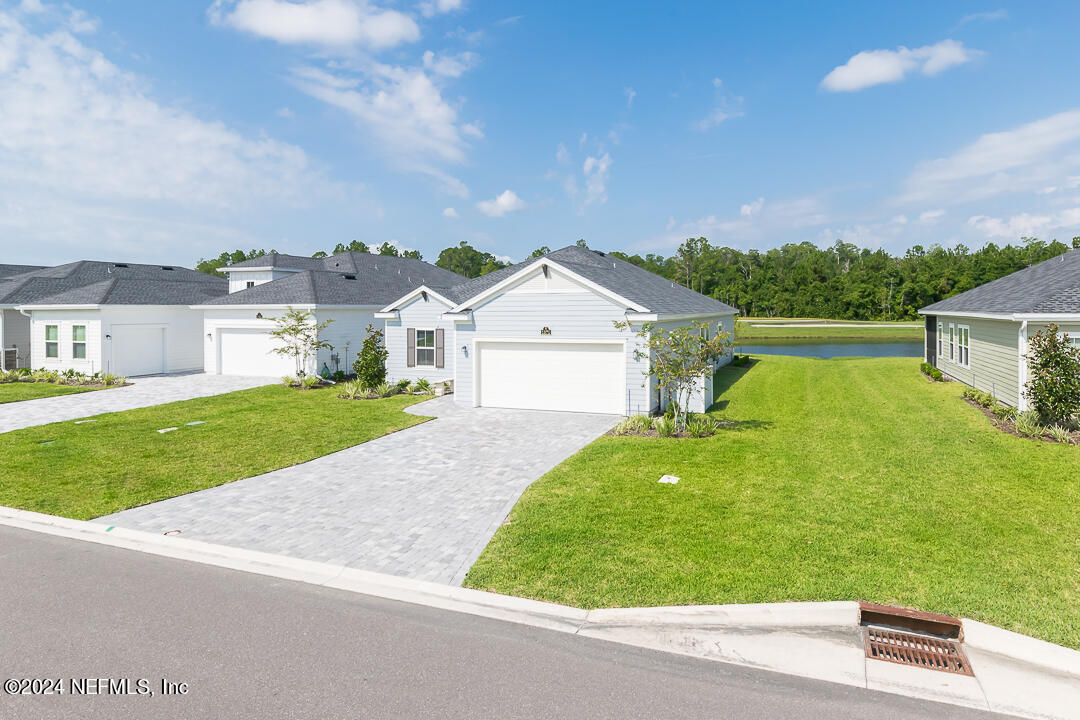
pixel 952 342
pixel 963 355
pixel 425 348
pixel 940 339
pixel 52 341
pixel 78 342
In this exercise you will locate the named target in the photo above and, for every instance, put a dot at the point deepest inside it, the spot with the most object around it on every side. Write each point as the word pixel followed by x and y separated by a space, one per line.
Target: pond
pixel 812 347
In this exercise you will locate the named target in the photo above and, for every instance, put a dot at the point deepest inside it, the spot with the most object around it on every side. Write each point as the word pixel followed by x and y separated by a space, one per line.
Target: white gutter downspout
pixel 1021 402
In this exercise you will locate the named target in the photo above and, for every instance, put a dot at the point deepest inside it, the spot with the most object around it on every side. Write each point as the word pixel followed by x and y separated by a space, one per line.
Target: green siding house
pixel 980 337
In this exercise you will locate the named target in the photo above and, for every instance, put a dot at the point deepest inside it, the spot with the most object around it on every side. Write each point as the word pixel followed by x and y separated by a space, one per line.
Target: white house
pixel 347 289
pixel 122 318
pixel 541 334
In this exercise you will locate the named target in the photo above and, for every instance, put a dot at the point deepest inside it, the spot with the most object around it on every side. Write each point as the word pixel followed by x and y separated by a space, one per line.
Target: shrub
pixel 108 380
pixel 1002 411
pixel 288 380
pixel 1060 434
pixel 1054 387
pixel 634 425
pixel 370 365
pixel 665 426
pixel 700 426
pixel 1027 424
pixel 385 390
pixel 403 384
pixel 422 386
pixel 310 382
pixel 351 390
pixel 740 360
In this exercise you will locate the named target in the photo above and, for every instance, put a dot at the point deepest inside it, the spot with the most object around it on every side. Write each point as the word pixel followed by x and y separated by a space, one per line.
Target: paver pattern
pixel 420 503
pixel 143 392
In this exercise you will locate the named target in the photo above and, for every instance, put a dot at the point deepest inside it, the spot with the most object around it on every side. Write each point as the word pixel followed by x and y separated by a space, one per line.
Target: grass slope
pixel 121 461
pixel 846 479
pixel 18 391
pixel 744 332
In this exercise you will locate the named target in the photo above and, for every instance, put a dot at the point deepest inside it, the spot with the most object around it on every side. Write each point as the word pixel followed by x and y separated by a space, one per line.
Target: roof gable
pixel 1052 286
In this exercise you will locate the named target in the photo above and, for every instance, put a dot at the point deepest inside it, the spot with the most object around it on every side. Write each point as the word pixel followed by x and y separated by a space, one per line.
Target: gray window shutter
pixel 439 352
pixel 410 347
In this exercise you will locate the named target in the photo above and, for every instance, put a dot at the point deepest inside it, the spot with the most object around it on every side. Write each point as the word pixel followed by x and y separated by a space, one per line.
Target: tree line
pixel 794 280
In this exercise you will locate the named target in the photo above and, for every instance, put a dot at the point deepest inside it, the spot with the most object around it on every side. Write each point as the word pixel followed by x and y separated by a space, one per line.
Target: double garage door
pixel 578 377
pixel 250 352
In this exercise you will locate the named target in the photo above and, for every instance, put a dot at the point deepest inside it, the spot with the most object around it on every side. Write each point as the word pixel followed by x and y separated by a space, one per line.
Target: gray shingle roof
pixel 90 282
pixel 626 279
pixel 10 270
pixel 375 280
pixel 1052 286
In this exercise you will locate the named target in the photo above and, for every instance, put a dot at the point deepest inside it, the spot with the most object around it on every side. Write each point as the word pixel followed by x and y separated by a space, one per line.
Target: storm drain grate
pixel 918 650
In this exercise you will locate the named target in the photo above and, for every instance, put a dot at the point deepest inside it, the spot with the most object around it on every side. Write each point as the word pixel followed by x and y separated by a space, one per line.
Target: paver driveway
pixel 420 503
pixel 143 392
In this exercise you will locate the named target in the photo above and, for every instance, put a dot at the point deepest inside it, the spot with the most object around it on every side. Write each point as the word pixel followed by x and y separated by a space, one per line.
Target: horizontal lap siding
pixel 17 335
pixel 349 327
pixel 703 396
pixel 424 315
pixel 570 315
pixel 65 319
pixel 993 356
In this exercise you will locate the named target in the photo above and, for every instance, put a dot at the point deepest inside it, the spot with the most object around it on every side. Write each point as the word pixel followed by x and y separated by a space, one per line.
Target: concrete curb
pixel 815 640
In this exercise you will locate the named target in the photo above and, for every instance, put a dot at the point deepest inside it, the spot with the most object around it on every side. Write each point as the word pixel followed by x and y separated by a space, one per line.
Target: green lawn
pixel 16 391
pixel 844 479
pixel 121 461
pixel 744 332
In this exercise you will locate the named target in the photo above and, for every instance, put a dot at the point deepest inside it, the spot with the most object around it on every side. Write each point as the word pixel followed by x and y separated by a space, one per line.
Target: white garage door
pixel 137 350
pixel 248 352
pixel 579 377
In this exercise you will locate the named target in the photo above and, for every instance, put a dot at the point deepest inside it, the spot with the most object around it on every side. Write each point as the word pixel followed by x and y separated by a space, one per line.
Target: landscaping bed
pixel 842 479
pixel 116 461
pixel 25 384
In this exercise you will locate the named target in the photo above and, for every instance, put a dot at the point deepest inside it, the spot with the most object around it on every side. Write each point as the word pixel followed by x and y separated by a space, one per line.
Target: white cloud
pixel 450 213
pixel 900 220
pixel 717 82
pixel 752 208
pixel 429 9
pixel 89 157
pixel 329 23
pixel 630 93
pixel 1024 158
pixel 562 155
pixel 502 204
pixel 875 67
pixel 283 112
pixel 1013 228
pixel 31 6
pixel 404 113
pixel 999 14
pixel 931 217
pixel 717 116
pixel 449 65
pixel 596 171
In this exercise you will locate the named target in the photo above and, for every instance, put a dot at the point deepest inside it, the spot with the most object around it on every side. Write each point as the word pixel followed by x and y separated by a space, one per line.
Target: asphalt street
pixel 249 646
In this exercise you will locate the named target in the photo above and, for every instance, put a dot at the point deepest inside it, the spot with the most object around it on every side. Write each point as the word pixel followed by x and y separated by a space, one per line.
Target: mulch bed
pixel 1007 427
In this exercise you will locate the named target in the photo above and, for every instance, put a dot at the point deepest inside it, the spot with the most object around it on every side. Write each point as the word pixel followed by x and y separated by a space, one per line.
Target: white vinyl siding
pixel 182 326
pixel 420 314
pixel 991 353
pixel 240 279
pixel 65 322
pixel 703 396
pixel 346 333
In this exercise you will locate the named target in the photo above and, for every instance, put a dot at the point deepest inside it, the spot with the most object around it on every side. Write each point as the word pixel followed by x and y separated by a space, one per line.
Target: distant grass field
pixel 844 479
pixel 19 391
pixel 746 332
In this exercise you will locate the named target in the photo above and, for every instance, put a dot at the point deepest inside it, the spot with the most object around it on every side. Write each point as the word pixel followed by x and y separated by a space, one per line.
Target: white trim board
pixel 396 305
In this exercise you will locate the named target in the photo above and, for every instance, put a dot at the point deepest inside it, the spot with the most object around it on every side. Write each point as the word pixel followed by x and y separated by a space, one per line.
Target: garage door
pixel 248 352
pixel 137 350
pixel 578 377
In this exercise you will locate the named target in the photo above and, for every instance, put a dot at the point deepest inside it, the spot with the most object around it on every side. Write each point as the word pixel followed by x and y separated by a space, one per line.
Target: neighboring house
pixel 14 326
pixel 122 318
pixel 347 288
pixel 541 334
pixel 980 337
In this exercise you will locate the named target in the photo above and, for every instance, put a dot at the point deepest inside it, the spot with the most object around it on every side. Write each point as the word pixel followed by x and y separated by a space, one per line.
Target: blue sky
pixel 167 131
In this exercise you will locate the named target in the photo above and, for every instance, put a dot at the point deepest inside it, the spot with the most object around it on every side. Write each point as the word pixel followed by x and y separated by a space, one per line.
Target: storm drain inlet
pixel 922 651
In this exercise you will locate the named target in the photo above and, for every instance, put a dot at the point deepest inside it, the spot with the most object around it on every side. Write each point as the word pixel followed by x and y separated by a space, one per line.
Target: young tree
pixel 1054 387
pixel 299 336
pixel 370 365
pixel 680 358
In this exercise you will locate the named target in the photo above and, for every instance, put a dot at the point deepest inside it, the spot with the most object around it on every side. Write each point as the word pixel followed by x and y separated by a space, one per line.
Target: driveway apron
pixel 420 503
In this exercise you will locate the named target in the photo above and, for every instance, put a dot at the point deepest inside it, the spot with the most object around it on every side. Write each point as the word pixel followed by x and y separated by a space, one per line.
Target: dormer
pixel 241 278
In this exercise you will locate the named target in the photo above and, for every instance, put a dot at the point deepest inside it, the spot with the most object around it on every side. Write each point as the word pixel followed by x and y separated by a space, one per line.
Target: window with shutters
pixel 425 348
